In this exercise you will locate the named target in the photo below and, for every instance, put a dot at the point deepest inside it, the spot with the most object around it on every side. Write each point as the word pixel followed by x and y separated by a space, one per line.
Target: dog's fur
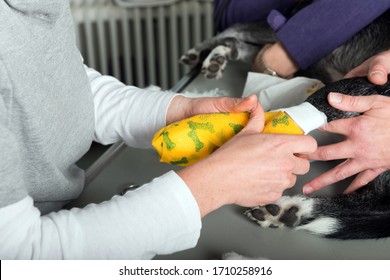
pixel 361 215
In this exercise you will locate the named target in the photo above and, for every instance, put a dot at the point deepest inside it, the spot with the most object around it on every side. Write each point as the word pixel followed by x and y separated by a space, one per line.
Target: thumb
pixel 351 103
pixel 377 74
pixel 256 120
pixel 248 104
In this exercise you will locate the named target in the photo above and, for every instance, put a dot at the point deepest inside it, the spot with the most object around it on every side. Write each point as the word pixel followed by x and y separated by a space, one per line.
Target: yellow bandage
pixel 279 122
pixel 187 141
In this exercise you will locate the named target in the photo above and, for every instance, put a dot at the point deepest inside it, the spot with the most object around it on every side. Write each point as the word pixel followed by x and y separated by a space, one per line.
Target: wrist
pixel 273 59
pixel 202 187
pixel 177 109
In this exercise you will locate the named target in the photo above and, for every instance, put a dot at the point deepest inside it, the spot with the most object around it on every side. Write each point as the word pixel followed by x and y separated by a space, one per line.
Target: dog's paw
pixel 215 63
pixel 298 212
pixel 191 57
pixel 285 212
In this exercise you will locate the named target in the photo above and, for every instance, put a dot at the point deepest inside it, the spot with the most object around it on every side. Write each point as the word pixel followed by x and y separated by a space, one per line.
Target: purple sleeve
pixel 322 26
pixel 240 11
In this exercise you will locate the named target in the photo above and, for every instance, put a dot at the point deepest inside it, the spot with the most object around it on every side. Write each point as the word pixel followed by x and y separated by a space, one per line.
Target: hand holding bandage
pixel 187 141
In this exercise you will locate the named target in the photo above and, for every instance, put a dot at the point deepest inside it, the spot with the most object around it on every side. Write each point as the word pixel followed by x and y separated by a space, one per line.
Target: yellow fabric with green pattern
pixel 187 141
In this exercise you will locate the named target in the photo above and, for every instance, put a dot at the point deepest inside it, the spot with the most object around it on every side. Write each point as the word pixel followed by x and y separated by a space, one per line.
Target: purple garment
pixel 240 11
pixel 315 30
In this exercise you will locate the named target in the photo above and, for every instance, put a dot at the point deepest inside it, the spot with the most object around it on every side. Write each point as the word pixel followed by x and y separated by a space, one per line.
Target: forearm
pixel 277 58
pixel 159 218
pixel 241 11
pixel 322 26
pixel 126 112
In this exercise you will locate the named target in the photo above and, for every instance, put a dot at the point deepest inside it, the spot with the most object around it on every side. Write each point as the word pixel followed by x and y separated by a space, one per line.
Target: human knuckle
pixel 311 143
pixel 293 180
pixel 286 182
pixel 288 165
pixel 325 154
pixel 360 126
pixel 361 182
pixel 273 196
pixel 340 175
pixel 353 101
pixel 305 166
pixel 367 152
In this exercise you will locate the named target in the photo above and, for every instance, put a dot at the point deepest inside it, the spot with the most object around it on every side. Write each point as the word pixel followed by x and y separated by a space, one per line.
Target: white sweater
pixel 51 109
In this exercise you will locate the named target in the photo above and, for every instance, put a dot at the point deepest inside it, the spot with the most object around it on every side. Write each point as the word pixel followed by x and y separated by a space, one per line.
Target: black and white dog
pixel 361 215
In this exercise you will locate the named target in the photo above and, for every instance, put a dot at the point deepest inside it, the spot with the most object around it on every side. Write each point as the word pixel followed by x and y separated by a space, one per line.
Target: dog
pixel 242 42
pixel 364 214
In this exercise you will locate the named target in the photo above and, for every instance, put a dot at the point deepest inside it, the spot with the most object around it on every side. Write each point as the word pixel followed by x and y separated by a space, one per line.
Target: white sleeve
pixel 125 112
pixel 161 217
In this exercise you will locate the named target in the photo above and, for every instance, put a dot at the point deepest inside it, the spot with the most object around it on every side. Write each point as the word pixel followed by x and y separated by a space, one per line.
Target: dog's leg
pixel 293 212
pixel 231 50
pixel 364 214
pixel 240 42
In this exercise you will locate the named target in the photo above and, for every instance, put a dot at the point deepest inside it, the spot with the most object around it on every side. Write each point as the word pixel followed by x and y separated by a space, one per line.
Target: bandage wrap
pixel 187 141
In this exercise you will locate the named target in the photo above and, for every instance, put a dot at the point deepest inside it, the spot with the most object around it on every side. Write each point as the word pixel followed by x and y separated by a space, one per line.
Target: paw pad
pixel 289 217
pixel 286 212
pixel 257 214
pixel 216 62
pixel 190 58
pixel 273 209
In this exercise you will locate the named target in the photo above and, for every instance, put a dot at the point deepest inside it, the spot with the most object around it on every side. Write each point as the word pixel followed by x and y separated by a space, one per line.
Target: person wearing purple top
pixel 308 35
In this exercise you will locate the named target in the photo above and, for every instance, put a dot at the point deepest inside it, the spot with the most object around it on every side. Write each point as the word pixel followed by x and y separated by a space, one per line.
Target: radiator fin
pixel 141 44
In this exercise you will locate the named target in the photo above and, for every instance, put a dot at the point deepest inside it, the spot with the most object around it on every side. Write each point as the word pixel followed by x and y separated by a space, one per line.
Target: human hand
pixel 366 146
pixel 250 169
pixel 375 68
pixel 183 107
pixel 275 57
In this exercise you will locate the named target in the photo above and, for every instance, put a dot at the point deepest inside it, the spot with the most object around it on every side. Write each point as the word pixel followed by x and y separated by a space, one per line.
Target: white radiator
pixel 140 42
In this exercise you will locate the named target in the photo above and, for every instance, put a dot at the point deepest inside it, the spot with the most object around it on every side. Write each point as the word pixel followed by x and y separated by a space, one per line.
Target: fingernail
pixel 335 97
pixel 307 189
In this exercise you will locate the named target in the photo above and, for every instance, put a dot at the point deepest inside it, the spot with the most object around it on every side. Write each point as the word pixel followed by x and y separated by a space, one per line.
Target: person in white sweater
pixel 52 107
